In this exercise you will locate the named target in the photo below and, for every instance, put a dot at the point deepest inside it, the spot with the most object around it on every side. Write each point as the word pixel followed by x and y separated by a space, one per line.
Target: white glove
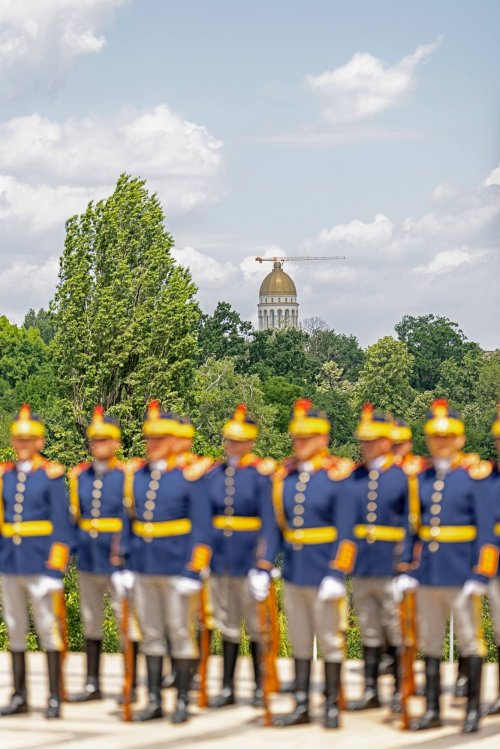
pixel 187 586
pixel 403 584
pixel 473 588
pixel 259 582
pixel 331 589
pixel 123 582
pixel 45 585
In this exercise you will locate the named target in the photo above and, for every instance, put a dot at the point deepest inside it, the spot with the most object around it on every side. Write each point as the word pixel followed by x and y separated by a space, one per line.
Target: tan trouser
pixel 308 616
pixel 233 602
pixel 494 598
pixel 17 590
pixel 92 591
pixel 434 605
pixel 163 611
pixel 377 611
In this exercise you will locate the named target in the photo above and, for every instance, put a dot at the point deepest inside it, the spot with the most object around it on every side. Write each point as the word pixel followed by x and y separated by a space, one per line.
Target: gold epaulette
pixel 196 470
pixel 266 466
pixel 133 465
pixel 4 467
pixel 53 470
pixel 79 469
pixel 480 470
pixel 280 472
pixel 469 460
pixel 413 465
pixel 341 469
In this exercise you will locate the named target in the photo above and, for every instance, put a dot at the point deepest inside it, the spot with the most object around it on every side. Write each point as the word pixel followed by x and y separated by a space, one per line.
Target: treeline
pixel 125 326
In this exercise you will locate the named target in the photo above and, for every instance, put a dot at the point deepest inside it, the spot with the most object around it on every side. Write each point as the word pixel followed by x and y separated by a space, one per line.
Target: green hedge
pixel 111 643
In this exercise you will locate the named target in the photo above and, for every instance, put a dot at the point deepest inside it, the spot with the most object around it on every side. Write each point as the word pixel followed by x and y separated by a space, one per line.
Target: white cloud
pixel 493 178
pixel 448 259
pixel 358 233
pixel 40 38
pixel 365 86
pixel 206 270
pixel 31 282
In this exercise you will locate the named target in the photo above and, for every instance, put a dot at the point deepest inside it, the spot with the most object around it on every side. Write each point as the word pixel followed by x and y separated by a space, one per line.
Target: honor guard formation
pixel 185 545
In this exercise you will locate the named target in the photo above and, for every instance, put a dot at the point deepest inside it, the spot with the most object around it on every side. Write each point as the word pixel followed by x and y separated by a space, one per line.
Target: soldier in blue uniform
pixel 35 544
pixel 98 510
pixel 452 552
pixel 307 491
pixel 237 509
pixel 160 495
pixel 493 481
pixel 375 506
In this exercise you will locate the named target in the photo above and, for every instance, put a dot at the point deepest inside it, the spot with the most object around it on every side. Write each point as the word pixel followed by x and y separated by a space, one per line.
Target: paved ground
pixel 98 726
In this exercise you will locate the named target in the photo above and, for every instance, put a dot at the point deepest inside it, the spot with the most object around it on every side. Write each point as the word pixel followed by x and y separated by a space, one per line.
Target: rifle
pixel 408 619
pixel 60 610
pixel 128 661
pixel 269 628
pixel 204 647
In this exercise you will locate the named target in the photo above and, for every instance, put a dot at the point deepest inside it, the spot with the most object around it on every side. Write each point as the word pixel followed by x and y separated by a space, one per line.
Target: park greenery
pixel 125 326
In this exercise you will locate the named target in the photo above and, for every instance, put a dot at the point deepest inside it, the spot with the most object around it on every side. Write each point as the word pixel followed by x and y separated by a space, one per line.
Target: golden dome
pixel 278 283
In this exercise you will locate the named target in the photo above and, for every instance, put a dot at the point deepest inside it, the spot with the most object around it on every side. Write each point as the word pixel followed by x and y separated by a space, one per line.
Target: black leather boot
pixel 370 697
pixel 473 714
pixel 461 683
pixel 494 708
pixel 300 714
pixel 229 656
pixel 18 702
pixel 396 672
pixel 154 664
pixel 92 690
pixel 184 671
pixel 258 696
pixel 332 689
pixel 430 718
pixel 53 709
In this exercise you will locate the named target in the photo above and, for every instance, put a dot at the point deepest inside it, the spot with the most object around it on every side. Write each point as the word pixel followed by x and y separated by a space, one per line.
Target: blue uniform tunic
pixel 36 531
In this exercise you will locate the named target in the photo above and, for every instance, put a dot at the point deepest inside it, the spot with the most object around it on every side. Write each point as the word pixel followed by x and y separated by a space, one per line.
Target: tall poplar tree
pixel 125 313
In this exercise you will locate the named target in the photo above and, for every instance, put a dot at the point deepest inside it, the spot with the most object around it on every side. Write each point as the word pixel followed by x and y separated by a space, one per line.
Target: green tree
pixel 335 395
pixel 124 312
pixel 385 378
pixel 224 334
pixel 282 394
pixel 458 379
pixel 327 345
pixel 283 353
pixel 42 320
pixel 432 340
pixel 217 389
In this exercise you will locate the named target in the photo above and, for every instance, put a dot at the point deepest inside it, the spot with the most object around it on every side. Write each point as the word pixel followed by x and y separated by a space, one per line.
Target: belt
pixel 323 535
pixel 236 523
pixel 159 530
pixel 497 529
pixel 27 528
pixel 447 533
pixel 101 525
pixel 379 532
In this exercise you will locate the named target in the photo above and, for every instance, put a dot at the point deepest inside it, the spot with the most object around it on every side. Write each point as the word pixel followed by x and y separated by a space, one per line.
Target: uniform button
pixel 300 497
pixel 438 485
pixel 372 506
pixel 434 531
pixel 154 485
pixel 95 513
pixel 148 515
pixel 436 509
pixel 373 485
pixel 17 540
pixel 156 474
pixel 96 493
pixel 18 507
pixel 304 477
pixel 98 484
pixel 148 539
pixel 21 476
pixel 229 511
pixel 148 527
pixel 229 481
pixel 299 509
pixel 228 501
pixel 298 522
pixel 437 496
pixel 96 503
pixel 230 490
pixel 17 518
pixel 433 546
pixel 435 521
pixel 151 494
pixel 149 504
pixel 299 534
pixel 19 497
pixel 228 533
pixel 17 527
pixel 373 475
pixel 93 533
pixel 372 495
pixel 300 486
pixel 371 517
pixel 230 471
pixel 20 487
pixel 297 547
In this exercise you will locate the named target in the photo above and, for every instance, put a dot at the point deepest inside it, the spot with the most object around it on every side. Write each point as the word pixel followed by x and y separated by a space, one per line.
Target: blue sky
pixel 357 128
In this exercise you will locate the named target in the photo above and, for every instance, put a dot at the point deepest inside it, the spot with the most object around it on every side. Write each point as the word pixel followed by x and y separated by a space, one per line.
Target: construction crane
pixel 282 259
